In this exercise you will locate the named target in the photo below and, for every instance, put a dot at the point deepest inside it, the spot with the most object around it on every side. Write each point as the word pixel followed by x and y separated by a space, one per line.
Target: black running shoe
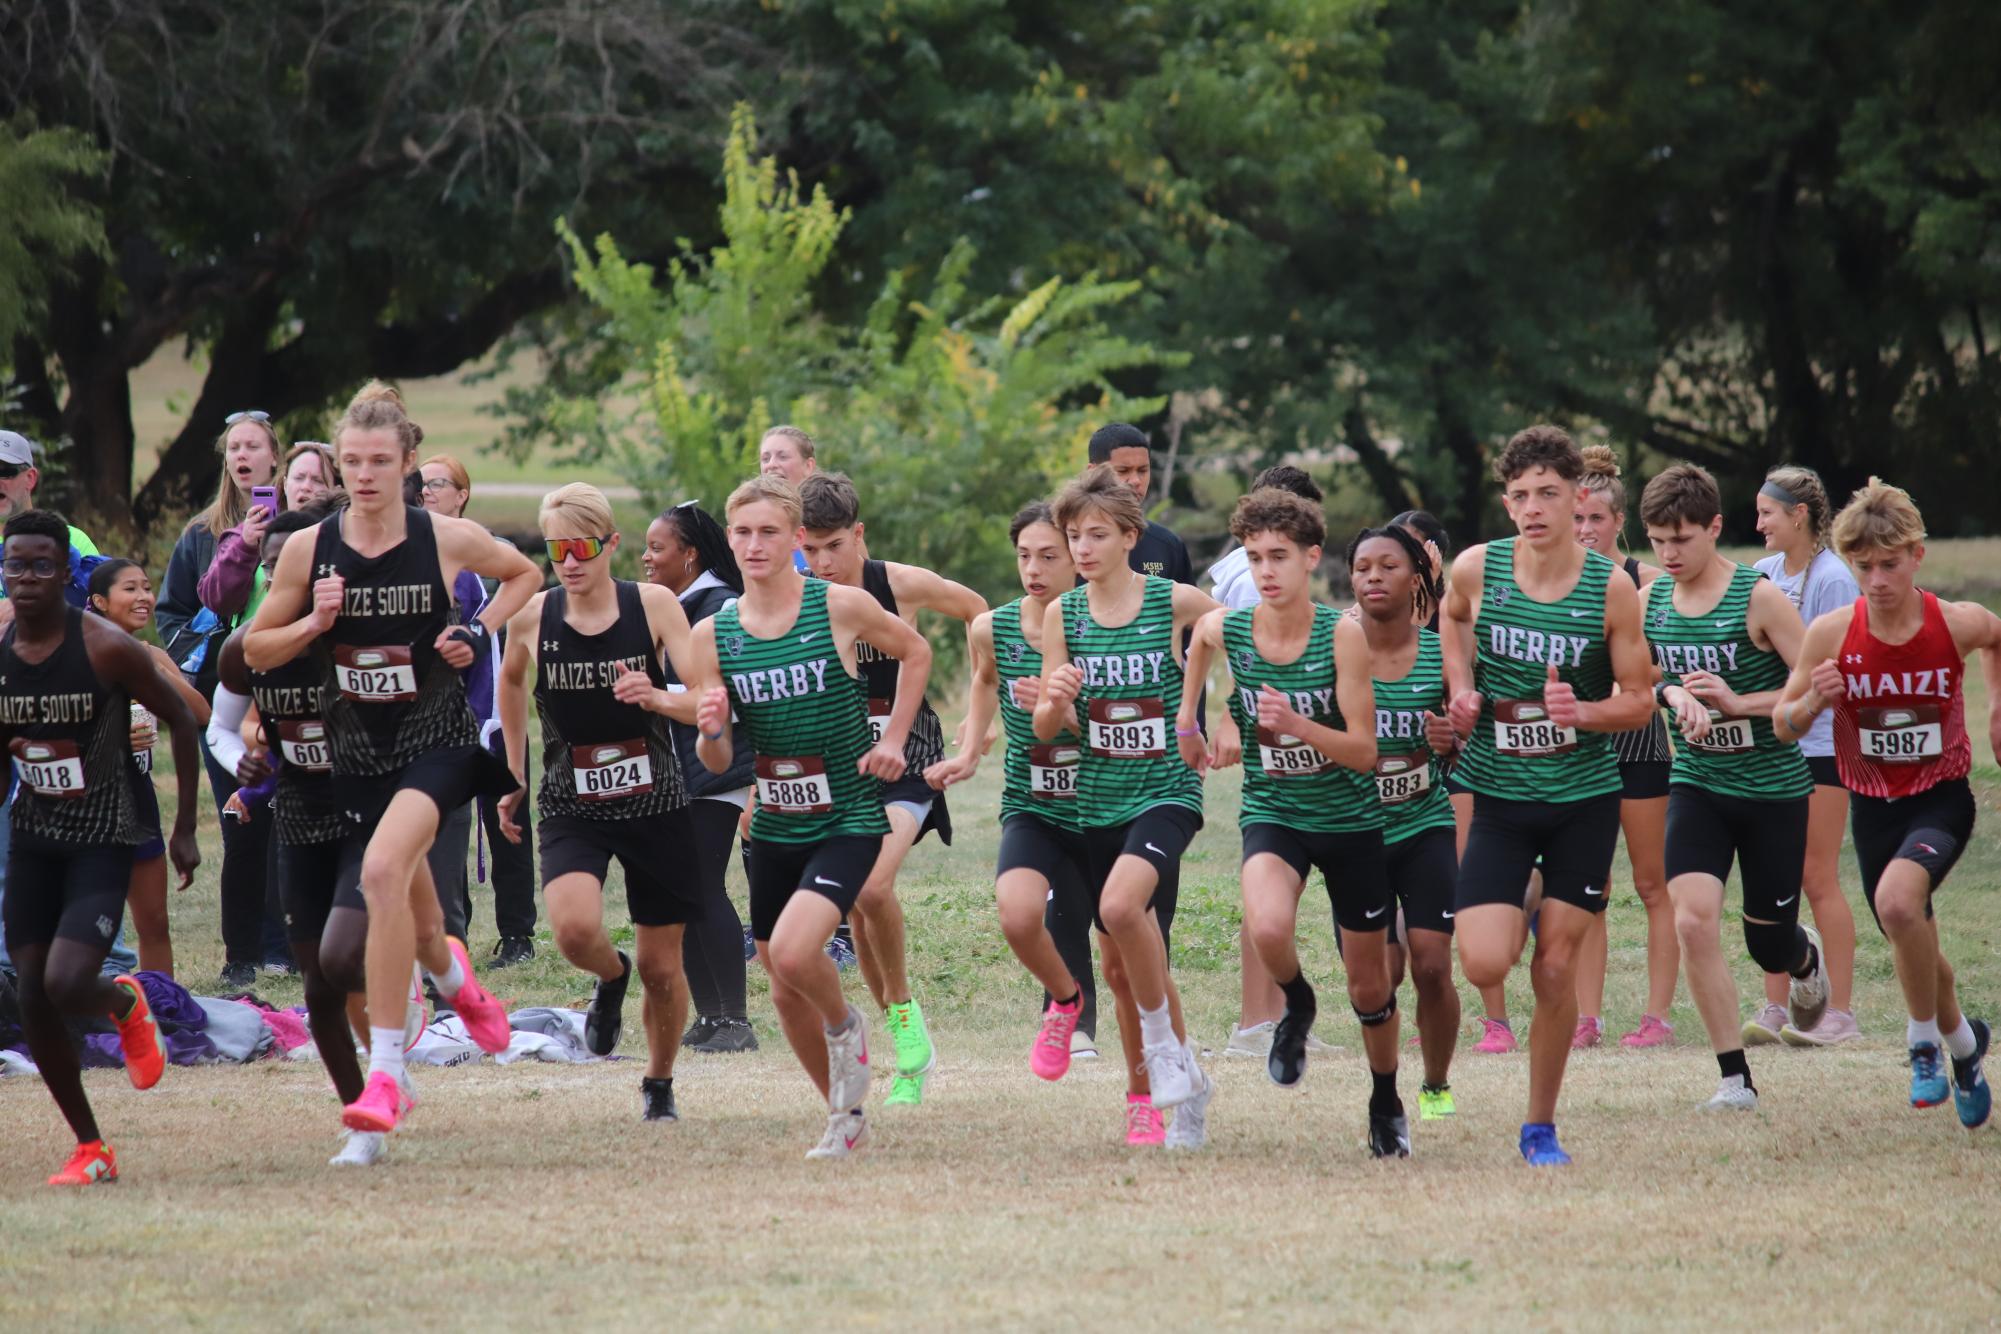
pixel 606 1017
pixel 1389 1134
pixel 730 1035
pixel 659 1097
pixel 1287 1063
pixel 238 976
pixel 699 1032
pixel 510 950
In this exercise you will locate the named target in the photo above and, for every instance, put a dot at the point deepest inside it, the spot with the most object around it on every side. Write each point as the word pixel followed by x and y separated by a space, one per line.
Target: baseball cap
pixel 17 449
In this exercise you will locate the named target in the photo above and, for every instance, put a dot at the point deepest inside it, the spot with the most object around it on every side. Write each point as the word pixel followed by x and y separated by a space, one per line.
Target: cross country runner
pixel 1111 668
pixel 611 787
pixel 1724 638
pixel 1891 668
pixel 1301 674
pixel 786 652
pixel 67 682
pixel 1397 586
pixel 1041 851
pixel 1536 630
pixel 831 515
pixel 370 596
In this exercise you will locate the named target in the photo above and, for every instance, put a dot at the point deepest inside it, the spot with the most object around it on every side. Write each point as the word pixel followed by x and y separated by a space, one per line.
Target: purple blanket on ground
pixel 180 1020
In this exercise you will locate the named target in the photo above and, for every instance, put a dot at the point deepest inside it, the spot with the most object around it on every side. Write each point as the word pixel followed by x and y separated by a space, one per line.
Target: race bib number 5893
pixel 1128 729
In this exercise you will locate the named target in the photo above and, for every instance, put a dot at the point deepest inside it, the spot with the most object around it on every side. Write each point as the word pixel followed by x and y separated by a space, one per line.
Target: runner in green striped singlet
pixel 1535 633
pixel 1397 588
pixel 1112 669
pixel 1301 695
pixel 1724 638
pixel 1041 851
pixel 785 653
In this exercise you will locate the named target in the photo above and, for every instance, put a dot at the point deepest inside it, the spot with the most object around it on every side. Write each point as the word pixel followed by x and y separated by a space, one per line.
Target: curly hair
pixel 1539 447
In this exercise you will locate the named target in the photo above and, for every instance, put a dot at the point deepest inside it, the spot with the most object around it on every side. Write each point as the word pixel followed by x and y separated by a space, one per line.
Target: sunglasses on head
pixel 254 415
pixel 583 548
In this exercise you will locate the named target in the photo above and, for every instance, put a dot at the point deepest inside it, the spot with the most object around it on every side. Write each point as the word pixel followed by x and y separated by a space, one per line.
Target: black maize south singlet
pixel 388 696
pixel 925 745
pixel 1648 744
pixel 74 769
pixel 1037 778
pixel 293 716
pixel 807 722
pixel 1515 752
pixel 1131 694
pixel 1286 781
pixel 1410 780
pixel 1741 757
pixel 601 760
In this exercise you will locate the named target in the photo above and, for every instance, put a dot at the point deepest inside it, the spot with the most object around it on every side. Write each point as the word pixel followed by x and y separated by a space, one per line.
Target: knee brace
pixel 1777 947
pixel 1376 1018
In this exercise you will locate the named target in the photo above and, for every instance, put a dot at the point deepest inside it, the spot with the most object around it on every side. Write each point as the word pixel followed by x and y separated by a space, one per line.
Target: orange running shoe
pixel 145 1061
pixel 93 1164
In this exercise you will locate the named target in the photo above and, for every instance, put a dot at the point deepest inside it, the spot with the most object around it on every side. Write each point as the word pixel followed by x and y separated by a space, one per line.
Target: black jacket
pixel 700 782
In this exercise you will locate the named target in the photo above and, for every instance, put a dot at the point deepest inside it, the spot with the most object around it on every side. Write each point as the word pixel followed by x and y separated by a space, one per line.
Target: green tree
pixel 42 225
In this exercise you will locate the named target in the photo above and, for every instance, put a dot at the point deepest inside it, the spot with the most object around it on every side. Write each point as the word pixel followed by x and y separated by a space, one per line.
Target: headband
pixel 1780 494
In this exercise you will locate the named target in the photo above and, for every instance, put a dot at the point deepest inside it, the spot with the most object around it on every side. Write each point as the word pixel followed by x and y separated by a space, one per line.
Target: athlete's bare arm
pixel 1977 630
pixel 1632 668
pixel 917 588
pixel 517 666
pixel 1816 682
pixel 464 545
pixel 856 615
pixel 668 625
pixel 1774 626
pixel 1191 605
pixel 297 608
pixel 982 702
pixel 120 660
pixel 1205 645
pixel 1056 700
pixel 1455 637
pixel 704 679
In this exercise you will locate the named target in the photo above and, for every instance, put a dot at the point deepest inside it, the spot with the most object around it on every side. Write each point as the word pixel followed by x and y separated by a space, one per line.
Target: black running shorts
pixel 1643 780
pixel 925 803
pixel 1028 843
pixel 1574 840
pixel 1826 771
pixel 56 888
pixel 1159 836
pixel 146 804
pixel 450 777
pixel 1351 864
pixel 1706 831
pixel 1931 829
pixel 834 868
pixel 662 881
pixel 1423 873
pixel 316 878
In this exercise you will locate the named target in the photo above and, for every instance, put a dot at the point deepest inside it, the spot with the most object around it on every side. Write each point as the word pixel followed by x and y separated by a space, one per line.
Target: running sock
pixel 1383 1099
pixel 450 982
pixel 1156 1027
pixel 1812 960
pixel 385 1051
pixel 845 1026
pixel 1076 999
pixel 1961 1042
pixel 1299 994
pixel 1733 1063
pixel 1919 1032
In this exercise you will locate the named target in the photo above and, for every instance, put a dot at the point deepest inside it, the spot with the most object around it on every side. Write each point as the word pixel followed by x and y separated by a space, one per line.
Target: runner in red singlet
pixel 1892 667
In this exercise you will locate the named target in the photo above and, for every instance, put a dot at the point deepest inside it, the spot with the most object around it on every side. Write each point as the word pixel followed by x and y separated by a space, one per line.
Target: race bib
pixel 1283 755
pixel 1901 734
pixel 1052 771
pixel 375 674
pixel 1128 729
pixel 611 769
pixel 52 769
pixel 794 785
pixel 1522 729
pixel 878 719
pixel 303 742
pixel 1403 778
pixel 1727 736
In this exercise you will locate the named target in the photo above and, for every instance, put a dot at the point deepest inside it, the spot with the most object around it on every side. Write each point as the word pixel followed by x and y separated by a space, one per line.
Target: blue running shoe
pixel 1539 1146
pixel 841 950
pixel 1970 1095
pixel 1928 1086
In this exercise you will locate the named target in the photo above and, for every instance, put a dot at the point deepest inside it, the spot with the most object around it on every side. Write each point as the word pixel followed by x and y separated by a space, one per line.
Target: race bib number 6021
pixel 375 674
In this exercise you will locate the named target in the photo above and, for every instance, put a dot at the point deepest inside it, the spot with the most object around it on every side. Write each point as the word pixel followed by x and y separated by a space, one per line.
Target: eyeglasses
pixel 583 548
pixel 9 471
pixel 41 567
pixel 437 486
pixel 254 415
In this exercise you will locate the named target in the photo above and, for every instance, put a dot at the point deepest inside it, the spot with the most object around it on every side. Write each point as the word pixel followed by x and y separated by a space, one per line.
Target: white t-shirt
pixel 1823 586
pixel 1231 582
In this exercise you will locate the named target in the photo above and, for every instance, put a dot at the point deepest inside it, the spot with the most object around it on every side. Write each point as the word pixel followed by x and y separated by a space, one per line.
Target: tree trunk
pixel 1377 465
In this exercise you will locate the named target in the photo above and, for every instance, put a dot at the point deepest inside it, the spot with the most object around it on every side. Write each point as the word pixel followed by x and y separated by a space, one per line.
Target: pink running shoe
pixel 1497 1039
pixel 380 1106
pixel 485 1018
pixel 1652 1032
pixel 1590 1032
pixel 1050 1057
pixel 1144 1123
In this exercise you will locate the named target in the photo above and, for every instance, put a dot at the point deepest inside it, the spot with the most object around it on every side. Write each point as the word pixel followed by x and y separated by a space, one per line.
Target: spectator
pixel 788 452
pixel 310 474
pixel 1230 578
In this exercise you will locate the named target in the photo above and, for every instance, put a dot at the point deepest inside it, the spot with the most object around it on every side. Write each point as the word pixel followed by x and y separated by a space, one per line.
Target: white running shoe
pixel 1316 1047
pixel 846 1132
pixel 413 1009
pixel 1763 1028
pixel 1254 1041
pixel 1082 1048
pixel 1190 1127
pixel 847 1066
pixel 1171 1072
pixel 359 1148
pixel 1732 1095
pixel 1806 997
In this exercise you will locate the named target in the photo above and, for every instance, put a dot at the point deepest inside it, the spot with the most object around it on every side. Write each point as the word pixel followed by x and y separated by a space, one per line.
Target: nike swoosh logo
pixel 808 638
pixel 1148 629
pixel 1155 851
pixel 1448 916
pixel 1783 902
pixel 1377 913
pixel 1593 893
pixel 1576 613
pixel 822 880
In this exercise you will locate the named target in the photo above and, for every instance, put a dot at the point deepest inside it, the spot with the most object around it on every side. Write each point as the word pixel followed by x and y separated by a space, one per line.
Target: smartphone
pixel 267 496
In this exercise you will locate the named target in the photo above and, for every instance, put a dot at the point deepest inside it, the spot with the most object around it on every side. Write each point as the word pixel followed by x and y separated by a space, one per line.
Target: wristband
pixel 711 736
pixel 1186 731
pixel 471 635
pixel 1660 694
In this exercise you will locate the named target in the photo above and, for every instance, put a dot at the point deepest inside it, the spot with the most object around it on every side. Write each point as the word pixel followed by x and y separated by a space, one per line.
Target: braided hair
pixel 1427 588
pixel 698 531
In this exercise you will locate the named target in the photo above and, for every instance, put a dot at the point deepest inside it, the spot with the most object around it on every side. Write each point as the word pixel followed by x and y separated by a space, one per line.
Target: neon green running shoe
pixel 905 1091
pixel 1434 1104
pixel 914 1053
